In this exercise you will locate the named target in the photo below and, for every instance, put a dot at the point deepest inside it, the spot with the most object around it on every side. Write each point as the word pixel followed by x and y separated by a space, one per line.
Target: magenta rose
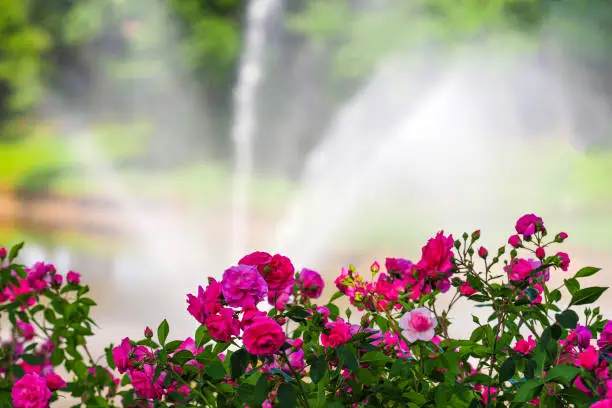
pixel 31 391
pixel 243 286
pixel 529 224
pixel 258 258
pixel 26 330
pixel 264 336
pixel 565 260
pixel 397 266
pixel 54 381
pixel 514 241
pixel 339 332
pixel 437 253
pixel 143 383
pixel 222 326
pixel 311 283
pixel 249 316
pixel 73 277
pixel 207 301
pixel 605 338
pixel 121 355
pixel 519 269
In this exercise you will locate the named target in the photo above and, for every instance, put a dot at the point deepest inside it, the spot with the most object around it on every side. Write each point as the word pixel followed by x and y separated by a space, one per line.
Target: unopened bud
pixel 148 332
pixel 375 267
pixel 562 236
pixel 475 235
pixel 540 252
pixel 2 253
pixel 514 241
pixel 482 252
pixel 457 244
pixel 465 235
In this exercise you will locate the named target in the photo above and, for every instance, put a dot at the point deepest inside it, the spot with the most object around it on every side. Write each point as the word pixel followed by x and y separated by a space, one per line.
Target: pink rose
pixel 222 326
pixel 437 253
pixel 529 224
pixel 243 286
pixel 398 266
pixel 263 337
pixel 466 290
pixel 73 277
pixel 121 355
pixel 565 260
pixel 311 283
pixel 579 384
pixel 418 324
pixel 525 346
pixel 277 270
pixel 143 384
pixel 482 252
pixel 607 403
pixel 583 336
pixel 3 253
pixel 519 269
pixel 207 301
pixel 189 345
pixel 514 241
pixel 588 359
pixel 54 381
pixel 31 391
pixel 26 330
pixel 339 333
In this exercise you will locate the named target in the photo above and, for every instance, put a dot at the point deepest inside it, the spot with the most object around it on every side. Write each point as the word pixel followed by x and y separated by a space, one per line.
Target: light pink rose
pixel 418 324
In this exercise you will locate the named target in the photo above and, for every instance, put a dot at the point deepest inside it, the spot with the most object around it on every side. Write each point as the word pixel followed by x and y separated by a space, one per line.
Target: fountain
pixel 245 116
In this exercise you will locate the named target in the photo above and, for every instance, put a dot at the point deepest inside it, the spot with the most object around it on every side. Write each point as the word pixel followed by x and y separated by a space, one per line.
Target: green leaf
pixel 335 296
pixel 298 314
pixel 239 362
pixel 201 336
pixel 530 369
pixel 182 357
pixel 373 356
pixel 14 252
pixel 587 295
pixel 572 285
pixel 32 359
pixel 568 319
pixel 216 371
pixel 287 397
pixel 365 376
pixel 162 332
pixel 507 369
pixel 564 372
pixel 318 367
pixel 586 271
pixel 555 295
pixel 527 391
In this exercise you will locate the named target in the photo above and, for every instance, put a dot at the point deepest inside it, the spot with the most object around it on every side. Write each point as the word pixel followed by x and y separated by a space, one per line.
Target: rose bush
pixel 262 341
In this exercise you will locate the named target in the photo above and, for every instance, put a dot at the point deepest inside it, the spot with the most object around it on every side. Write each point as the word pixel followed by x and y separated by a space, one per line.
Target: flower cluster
pixel 531 351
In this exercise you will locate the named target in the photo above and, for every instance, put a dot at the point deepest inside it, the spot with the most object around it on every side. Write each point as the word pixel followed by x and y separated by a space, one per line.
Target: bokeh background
pixel 148 144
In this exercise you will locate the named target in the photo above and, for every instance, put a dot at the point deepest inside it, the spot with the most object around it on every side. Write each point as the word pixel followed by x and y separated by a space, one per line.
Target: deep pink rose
pixel 529 224
pixel 26 330
pixel 54 381
pixel 121 355
pixel 311 283
pixel 279 273
pixel 525 346
pixel 256 259
pixel 588 359
pixel 31 391
pixel 3 253
pixel 583 336
pixel 562 236
pixel 143 384
pixel 250 314
pixel 466 290
pixel 482 252
pixel 73 277
pixel 222 326
pixel 607 403
pixel 190 345
pixel 243 286
pixel 398 266
pixel 206 302
pixel 339 333
pixel 519 269
pixel 437 253
pixel 263 337
pixel 418 324
pixel 565 260
pixel 514 241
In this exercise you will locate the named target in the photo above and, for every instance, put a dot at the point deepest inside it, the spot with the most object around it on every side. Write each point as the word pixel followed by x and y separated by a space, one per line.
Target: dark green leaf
pixel 335 296
pixel 239 362
pixel 318 367
pixel 564 372
pixel 568 319
pixel 215 371
pixel 32 359
pixel 556 331
pixel 365 376
pixel 201 336
pixel 527 391
pixel 287 397
pixel 182 357
pixel 162 332
pixel 507 369
pixel 586 271
pixel 587 295
pixel 530 369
